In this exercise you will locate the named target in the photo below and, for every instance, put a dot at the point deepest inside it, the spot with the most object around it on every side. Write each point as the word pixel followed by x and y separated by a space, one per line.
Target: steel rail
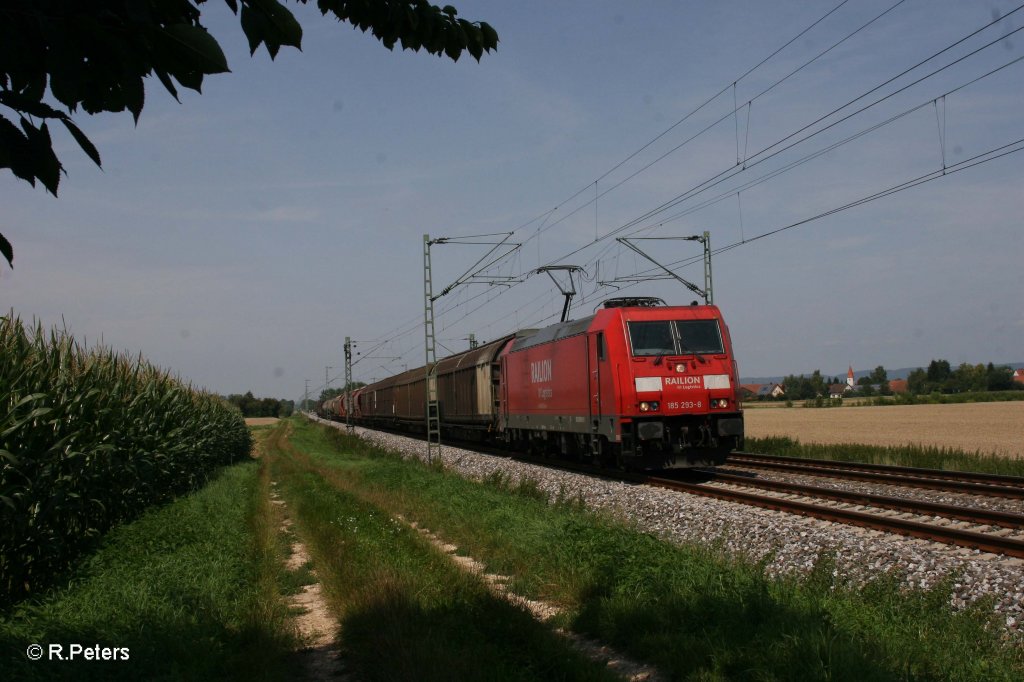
pixel 952 536
pixel 858 472
pixel 964 538
pixel 969 514
pixel 945 474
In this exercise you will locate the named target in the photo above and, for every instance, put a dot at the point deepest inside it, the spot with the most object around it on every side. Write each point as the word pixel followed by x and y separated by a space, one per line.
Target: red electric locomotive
pixel 636 385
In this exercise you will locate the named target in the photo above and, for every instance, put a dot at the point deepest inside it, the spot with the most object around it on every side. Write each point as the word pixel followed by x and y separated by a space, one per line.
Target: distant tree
pixel 999 378
pixel 938 373
pixel 879 375
pixel 793 386
pixel 270 407
pixel 252 406
pixel 94 54
pixel 804 388
pixel 331 392
pixel 968 378
pixel 818 385
pixel 917 382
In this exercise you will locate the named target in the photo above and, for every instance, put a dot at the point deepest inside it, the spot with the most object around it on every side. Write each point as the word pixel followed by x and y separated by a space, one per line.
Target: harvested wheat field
pixel 973 427
pixel 260 421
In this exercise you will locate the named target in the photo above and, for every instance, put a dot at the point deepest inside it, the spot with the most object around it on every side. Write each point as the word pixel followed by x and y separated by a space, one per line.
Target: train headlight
pixel 649 406
pixel 723 402
pixel 645 407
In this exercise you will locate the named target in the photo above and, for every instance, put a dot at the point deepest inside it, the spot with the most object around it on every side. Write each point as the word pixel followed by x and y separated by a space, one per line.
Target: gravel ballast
pixel 795 543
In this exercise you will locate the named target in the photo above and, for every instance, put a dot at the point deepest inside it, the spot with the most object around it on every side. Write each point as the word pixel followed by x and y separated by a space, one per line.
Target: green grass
pixel 189 589
pixel 407 613
pixel 928 457
pixel 690 611
pixel 193 590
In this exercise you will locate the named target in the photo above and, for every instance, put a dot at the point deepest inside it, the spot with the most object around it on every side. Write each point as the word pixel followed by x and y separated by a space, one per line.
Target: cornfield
pixel 88 439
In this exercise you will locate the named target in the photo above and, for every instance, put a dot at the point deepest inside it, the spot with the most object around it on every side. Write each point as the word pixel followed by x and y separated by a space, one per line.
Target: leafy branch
pixel 94 55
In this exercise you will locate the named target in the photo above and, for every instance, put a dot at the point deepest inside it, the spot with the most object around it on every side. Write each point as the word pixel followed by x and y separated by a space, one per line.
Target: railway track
pixel 997 532
pixel 989 531
pixel 909 477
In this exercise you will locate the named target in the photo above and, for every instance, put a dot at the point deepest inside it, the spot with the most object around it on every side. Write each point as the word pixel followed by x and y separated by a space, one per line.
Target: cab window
pixel 675 337
pixel 652 338
pixel 699 336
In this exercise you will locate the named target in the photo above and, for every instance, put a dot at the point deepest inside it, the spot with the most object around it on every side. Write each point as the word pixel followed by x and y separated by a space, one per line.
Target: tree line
pixel 251 406
pixel 939 377
pixel 333 392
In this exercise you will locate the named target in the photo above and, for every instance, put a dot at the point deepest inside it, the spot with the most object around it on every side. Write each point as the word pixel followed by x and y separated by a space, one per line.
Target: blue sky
pixel 238 236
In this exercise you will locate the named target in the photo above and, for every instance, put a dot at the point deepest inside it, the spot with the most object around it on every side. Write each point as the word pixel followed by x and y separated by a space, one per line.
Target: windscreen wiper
pixel 697 355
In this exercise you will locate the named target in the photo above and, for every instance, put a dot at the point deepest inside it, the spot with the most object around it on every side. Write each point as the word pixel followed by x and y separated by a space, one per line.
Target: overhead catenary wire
pixel 473 304
pixel 545 216
pixel 838 144
pixel 717 122
pixel 733 170
pixel 987 156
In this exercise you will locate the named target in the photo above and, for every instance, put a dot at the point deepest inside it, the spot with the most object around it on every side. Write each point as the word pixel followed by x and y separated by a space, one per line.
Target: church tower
pixel 849 377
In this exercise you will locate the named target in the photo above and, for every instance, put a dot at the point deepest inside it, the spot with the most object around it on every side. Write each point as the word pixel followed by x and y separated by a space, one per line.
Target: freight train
pixel 636 385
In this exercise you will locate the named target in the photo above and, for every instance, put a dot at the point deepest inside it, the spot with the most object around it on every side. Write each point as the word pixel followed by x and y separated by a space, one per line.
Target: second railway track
pixel 994 531
pixel 932 522
pixel 967 482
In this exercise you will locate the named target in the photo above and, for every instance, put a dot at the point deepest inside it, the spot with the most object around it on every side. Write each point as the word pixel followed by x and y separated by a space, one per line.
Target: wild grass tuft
pixel 924 456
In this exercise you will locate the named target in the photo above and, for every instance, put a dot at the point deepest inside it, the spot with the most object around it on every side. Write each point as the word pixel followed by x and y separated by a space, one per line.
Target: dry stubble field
pixel 972 427
pixel 260 421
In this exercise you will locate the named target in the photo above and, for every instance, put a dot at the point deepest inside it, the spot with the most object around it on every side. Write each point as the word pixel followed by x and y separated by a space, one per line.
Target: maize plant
pixel 88 439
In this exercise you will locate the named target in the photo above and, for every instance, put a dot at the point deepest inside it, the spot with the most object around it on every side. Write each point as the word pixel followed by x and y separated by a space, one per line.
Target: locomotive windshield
pixel 678 337
pixel 699 336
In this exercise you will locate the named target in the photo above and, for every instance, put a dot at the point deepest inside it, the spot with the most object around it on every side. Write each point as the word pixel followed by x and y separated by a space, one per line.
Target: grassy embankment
pixel 685 609
pixel 928 457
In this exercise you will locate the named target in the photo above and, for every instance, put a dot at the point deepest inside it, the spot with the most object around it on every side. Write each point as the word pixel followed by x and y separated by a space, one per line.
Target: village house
pixel 837 390
pixel 761 391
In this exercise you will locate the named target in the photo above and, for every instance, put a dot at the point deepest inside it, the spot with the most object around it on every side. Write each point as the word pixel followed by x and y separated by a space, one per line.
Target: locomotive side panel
pixel 547 386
